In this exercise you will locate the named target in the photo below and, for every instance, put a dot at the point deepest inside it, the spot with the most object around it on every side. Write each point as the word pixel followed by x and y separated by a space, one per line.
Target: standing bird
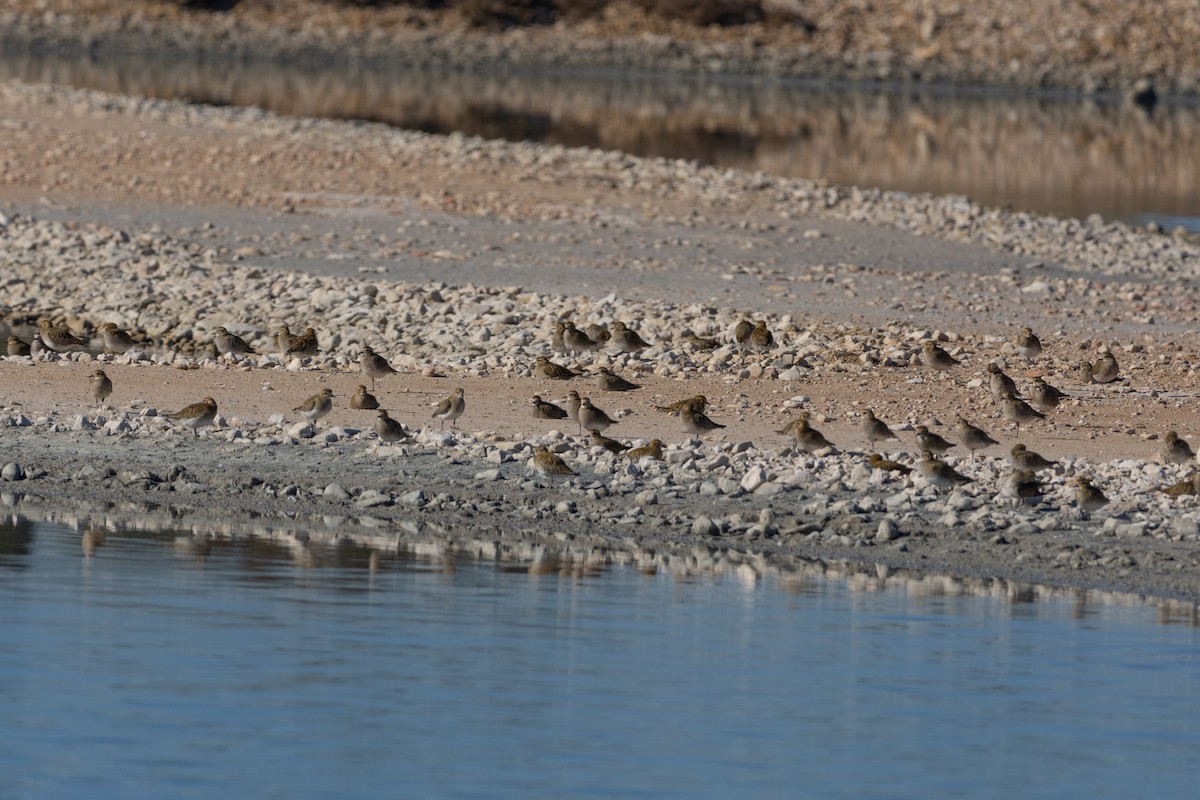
pixel 592 418
pixel 545 410
pixel 451 409
pixel 807 437
pixel 697 422
pixel 973 438
pixel 573 404
pixel 283 339
pixel 999 383
pixel 875 429
pixel 545 368
pixel 611 445
pixel 1105 370
pixel 116 340
pixel 699 342
pixel 741 334
pixel 576 341
pixel 17 346
pixel 761 339
pixel 1023 458
pixel 936 358
pixel 626 339
pixel 304 345
pixel 1175 450
pixel 1029 345
pixel 1087 496
pixel 598 334
pixel 556 338
pixel 1024 485
pixel 374 365
pixel 939 473
pixel 1017 411
pixel 548 463
pixel 197 415
pixel 229 344
pixel 316 406
pixel 934 443
pixel 362 399
pixel 60 340
pixel 652 450
pixel 100 386
pixel 388 429
pixel 609 381
pixel 1045 397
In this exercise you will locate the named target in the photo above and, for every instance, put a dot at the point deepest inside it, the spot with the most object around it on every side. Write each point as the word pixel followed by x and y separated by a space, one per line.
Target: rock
pixel 887 531
pixel 12 472
pixel 754 478
pixel 302 430
pixel 336 492
pixel 703 526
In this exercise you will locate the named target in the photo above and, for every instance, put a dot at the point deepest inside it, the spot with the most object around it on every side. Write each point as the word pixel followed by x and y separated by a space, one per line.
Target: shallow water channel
pixel 160 664
pixel 1063 156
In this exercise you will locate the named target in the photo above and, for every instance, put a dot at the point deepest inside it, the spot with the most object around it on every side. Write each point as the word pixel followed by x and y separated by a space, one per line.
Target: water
pixel 1067 157
pixel 154 665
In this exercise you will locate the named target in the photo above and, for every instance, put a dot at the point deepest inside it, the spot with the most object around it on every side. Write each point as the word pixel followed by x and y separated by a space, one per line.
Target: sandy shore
pixel 455 258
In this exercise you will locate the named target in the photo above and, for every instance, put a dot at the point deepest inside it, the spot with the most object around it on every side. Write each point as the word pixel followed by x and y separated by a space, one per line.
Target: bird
pixel 362 399
pixel 197 415
pixel 999 383
pixel 230 344
pixel 1088 497
pixel 548 463
pixel 598 333
pixel 556 338
pixel 741 334
pixel 546 410
pixel 316 406
pixel 875 429
pixel 1105 370
pixel 60 340
pixel 697 422
pixel 698 403
pixel 936 358
pixel 573 404
pixel 611 445
pixel 591 417
pixel 699 342
pixel 17 346
pixel 283 339
pixel 1017 411
pixel 545 368
pixel 116 340
pixel 807 437
pixel 879 462
pixel 1024 485
pixel 626 339
pixel 761 339
pixel 934 443
pixel 451 409
pixel 939 473
pixel 1188 486
pixel 100 385
pixel 1029 345
pixel 388 429
pixel 973 438
pixel 1176 450
pixel 1026 459
pixel 576 341
pixel 304 345
pixel 609 381
pixel 1045 397
pixel 374 365
pixel 652 450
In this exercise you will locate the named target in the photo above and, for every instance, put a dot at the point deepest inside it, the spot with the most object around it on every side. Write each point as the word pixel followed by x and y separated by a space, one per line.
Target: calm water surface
pixel 154 667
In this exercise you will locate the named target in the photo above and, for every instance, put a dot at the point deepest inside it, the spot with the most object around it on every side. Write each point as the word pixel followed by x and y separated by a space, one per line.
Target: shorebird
pixel 1087 496
pixel 973 438
pixel 934 443
pixel 1045 397
pixel 374 365
pixel 999 383
pixel 699 342
pixel 545 368
pixel 1188 486
pixel 576 341
pixel 1023 458
pixel 100 386
pixel 1175 450
pixel 228 344
pixel 316 406
pixel 761 339
pixel 1017 411
pixel 697 422
pixel 197 415
pixel 573 404
pixel 283 339
pixel 611 445
pixel 939 473
pixel 626 339
pixel 1024 485
pixel 741 334
pixel 60 340
pixel 546 410
pixel 598 334
pixel 609 381
pixel 556 338
pixel 451 409
pixel 362 399
pixel 304 345
pixel 1028 344
pixel 807 437
pixel 652 450
pixel 1105 370
pixel 17 346
pixel 880 463
pixel 591 417
pixel 936 358
pixel 875 429
pixel 115 340
pixel 697 403
pixel 388 429
pixel 548 463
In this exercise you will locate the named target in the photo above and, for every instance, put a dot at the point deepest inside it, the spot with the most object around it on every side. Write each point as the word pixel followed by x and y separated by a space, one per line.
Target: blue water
pixel 152 669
